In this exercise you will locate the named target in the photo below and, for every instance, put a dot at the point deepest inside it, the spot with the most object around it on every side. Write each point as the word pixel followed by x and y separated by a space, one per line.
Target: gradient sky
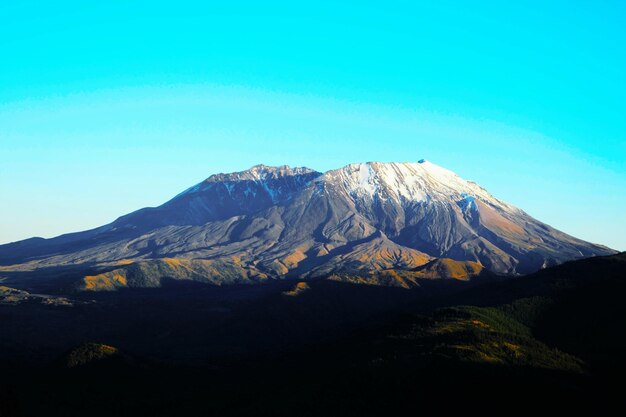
pixel 115 106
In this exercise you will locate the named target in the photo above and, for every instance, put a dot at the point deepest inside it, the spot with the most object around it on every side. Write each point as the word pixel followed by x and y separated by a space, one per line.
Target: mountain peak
pixel 406 181
pixel 261 172
pixel 258 173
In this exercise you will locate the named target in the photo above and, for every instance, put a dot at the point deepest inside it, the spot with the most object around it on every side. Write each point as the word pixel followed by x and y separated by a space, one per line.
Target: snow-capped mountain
pixel 384 223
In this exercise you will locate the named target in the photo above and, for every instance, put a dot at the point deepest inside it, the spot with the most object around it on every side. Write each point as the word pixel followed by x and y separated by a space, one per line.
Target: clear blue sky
pixel 110 107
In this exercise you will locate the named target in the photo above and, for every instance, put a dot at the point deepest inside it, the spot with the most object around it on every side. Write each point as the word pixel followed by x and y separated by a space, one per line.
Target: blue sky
pixel 115 106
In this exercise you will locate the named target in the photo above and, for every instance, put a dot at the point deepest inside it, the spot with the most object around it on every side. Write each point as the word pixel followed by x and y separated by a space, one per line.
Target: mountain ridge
pixel 283 222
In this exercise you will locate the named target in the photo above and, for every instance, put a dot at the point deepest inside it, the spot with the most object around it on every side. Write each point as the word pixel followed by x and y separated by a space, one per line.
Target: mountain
pixel 399 221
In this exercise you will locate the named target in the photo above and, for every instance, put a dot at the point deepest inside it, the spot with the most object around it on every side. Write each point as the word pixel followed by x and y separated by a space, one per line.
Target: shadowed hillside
pixel 325 348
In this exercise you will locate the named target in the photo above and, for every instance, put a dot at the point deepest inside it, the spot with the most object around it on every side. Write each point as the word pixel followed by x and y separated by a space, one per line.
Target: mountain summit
pixel 382 223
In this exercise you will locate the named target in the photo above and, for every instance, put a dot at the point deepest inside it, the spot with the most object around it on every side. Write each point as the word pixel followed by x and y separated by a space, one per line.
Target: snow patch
pixel 366 178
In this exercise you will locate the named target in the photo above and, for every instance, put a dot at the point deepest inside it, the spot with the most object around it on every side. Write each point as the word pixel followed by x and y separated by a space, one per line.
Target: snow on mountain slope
pixel 408 183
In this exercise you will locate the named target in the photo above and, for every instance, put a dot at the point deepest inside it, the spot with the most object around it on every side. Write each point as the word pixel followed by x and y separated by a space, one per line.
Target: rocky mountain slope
pixel 360 222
